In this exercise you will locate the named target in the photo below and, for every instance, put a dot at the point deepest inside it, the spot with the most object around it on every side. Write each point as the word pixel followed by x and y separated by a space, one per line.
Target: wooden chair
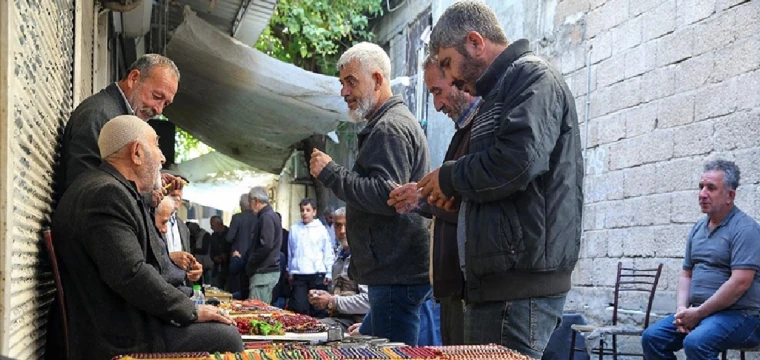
pixel 48 237
pixel 628 280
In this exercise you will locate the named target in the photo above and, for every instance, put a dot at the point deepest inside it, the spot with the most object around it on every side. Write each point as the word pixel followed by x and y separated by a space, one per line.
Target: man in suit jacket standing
pixel 149 86
pixel 109 252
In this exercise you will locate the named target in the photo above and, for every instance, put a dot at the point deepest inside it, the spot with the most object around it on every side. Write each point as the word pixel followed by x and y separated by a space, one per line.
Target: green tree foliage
pixel 312 34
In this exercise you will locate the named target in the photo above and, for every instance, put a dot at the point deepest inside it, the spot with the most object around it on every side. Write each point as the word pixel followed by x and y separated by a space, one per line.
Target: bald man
pixel 109 254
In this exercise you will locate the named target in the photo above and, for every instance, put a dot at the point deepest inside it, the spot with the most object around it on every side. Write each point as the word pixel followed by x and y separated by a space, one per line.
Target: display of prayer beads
pixel 479 352
pixel 299 351
pixel 287 352
pixel 167 356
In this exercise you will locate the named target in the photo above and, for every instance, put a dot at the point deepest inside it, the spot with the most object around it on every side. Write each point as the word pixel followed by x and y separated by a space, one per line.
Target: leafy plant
pixel 312 34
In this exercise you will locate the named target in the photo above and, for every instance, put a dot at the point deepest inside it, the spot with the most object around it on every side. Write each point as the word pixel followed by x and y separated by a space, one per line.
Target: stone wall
pixel 671 84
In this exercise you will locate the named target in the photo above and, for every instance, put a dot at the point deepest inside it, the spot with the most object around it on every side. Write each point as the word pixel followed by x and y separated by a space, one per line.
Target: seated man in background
pixel 718 301
pixel 109 255
pixel 180 278
pixel 349 301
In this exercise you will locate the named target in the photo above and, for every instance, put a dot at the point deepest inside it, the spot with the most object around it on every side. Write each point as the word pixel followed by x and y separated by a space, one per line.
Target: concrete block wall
pixel 673 83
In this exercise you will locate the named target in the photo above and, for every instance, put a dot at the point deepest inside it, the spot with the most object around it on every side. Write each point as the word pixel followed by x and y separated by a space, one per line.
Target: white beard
pixel 364 106
pixel 159 182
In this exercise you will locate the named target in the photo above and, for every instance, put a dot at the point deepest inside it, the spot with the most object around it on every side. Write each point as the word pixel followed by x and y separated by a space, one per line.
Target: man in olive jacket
pixel 116 299
pixel 520 183
pixel 389 250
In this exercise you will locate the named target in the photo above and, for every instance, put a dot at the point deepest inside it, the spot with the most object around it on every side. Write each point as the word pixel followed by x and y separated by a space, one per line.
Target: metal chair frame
pixel 628 279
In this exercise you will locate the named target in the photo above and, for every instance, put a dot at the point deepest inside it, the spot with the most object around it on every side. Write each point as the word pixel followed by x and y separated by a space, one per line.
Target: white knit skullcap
pixel 120 131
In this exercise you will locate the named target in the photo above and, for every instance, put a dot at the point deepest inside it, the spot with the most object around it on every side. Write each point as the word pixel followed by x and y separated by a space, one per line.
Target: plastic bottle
pixel 198 296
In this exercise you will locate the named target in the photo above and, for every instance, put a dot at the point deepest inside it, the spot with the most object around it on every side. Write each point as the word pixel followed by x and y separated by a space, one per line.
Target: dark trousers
pixel 452 321
pixel 299 301
pixel 208 336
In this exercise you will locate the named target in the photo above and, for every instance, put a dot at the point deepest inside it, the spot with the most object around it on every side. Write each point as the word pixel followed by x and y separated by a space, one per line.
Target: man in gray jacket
pixel 389 251
pixel 520 183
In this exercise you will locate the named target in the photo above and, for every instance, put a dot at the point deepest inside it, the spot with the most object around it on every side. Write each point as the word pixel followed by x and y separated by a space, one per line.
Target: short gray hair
pixel 431 62
pixel 371 57
pixel 259 193
pixel 245 199
pixel 459 20
pixel 731 173
pixel 166 204
pixel 147 62
pixel 341 212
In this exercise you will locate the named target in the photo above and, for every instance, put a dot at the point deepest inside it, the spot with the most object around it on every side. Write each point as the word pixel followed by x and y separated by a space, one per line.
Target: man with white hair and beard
pixel 148 87
pixel 109 253
pixel 389 251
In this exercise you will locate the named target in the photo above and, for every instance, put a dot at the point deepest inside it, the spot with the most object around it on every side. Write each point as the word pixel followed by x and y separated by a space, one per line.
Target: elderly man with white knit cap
pixel 110 256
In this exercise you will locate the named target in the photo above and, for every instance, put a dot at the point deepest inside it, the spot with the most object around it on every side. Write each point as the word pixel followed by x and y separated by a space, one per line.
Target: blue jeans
pixel 522 325
pixel 395 312
pixel 728 329
pixel 430 324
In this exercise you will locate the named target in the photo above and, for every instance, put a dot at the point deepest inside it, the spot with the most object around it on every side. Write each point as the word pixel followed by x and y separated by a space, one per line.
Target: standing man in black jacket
pixel 389 250
pixel 448 281
pixel 520 184
pixel 263 266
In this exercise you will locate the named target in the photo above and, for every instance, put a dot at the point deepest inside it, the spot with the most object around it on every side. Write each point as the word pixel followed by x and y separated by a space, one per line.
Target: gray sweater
pixel 386 248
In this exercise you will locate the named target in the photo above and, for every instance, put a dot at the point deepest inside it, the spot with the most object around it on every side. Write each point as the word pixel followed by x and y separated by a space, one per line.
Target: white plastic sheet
pixel 243 103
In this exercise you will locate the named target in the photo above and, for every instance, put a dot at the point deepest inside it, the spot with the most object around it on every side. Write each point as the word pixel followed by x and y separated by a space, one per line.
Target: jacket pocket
pixel 494 246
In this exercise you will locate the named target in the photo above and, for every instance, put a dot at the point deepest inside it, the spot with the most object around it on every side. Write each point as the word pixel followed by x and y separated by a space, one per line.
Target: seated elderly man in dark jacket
pixel 109 253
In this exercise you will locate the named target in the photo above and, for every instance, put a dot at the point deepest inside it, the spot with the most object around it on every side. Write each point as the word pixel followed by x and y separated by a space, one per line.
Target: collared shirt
pixel 129 106
pixel 467 116
pixel 174 241
pixel 711 255
pixel 311 250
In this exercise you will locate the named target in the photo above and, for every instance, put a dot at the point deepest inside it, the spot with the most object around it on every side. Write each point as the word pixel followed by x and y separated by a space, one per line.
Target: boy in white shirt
pixel 310 259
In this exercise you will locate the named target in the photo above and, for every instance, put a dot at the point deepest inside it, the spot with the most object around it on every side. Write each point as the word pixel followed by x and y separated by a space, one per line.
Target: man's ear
pixel 475 43
pixel 732 195
pixel 137 153
pixel 133 77
pixel 379 79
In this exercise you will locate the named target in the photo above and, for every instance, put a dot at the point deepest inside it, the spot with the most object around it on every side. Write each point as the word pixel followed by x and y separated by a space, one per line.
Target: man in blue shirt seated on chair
pixel 718 302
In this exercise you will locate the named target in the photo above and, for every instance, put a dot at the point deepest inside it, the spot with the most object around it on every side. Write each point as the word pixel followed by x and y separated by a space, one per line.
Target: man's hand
pixel 208 313
pixel 290 279
pixel 353 330
pixel 156 197
pixel 319 298
pixel 450 205
pixel 318 162
pixel 195 272
pixel 404 198
pixel 236 254
pixel 183 259
pixel 431 189
pixel 688 319
pixel 171 183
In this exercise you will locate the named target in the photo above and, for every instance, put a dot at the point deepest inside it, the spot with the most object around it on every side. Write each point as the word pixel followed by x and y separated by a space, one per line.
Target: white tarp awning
pixel 243 103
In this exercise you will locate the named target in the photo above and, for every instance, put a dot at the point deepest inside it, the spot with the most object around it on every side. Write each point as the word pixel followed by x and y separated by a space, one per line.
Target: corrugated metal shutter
pixel 85 42
pixel 41 51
